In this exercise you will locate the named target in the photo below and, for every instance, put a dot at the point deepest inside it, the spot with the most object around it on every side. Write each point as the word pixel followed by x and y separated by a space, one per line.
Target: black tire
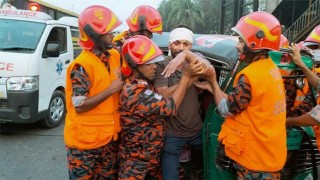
pixel 56 110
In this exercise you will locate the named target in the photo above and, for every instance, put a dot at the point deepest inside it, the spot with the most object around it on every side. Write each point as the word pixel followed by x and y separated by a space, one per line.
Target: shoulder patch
pixel 148 92
pixel 142 82
pixel 157 96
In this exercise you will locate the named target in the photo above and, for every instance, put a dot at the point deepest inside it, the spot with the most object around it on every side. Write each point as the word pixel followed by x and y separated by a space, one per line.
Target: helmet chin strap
pixel 101 45
pixel 250 56
pixel 244 53
pixel 134 66
pixel 141 75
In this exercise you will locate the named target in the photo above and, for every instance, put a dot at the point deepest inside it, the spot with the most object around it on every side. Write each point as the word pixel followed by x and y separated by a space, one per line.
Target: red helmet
pixel 314 37
pixel 145 18
pixel 94 21
pixel 300 45
pixel 139 50
pixel 284 42
pixel 259 30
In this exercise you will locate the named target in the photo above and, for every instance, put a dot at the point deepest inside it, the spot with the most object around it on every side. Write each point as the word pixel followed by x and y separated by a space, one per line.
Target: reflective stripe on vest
pixel 301 94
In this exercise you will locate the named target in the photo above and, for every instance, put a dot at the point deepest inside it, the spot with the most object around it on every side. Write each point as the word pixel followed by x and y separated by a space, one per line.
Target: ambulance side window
pixel 58 36
pixel 75 37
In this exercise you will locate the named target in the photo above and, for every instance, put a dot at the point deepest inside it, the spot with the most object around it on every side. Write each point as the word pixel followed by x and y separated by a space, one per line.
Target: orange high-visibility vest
pixel 99 125
pixel 316 130
pixel 256 137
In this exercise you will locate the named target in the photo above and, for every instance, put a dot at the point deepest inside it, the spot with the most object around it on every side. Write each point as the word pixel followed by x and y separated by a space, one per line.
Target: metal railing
pixel 305 23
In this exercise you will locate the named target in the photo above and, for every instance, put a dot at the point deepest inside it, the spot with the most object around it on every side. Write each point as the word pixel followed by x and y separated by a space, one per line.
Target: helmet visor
pixel 311 44
pixel 156 59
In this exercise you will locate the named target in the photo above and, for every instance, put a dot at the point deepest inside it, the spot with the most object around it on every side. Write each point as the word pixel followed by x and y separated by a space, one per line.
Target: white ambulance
pixel 34 54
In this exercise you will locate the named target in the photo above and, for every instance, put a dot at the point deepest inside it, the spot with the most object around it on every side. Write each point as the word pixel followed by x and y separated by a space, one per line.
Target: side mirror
pixel 52 50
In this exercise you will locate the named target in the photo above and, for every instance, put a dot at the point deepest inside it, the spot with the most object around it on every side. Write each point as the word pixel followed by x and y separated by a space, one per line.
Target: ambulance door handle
pixel 67 62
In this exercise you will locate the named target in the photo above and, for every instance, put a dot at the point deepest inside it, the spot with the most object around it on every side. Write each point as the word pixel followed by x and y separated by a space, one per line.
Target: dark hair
pixel 181 26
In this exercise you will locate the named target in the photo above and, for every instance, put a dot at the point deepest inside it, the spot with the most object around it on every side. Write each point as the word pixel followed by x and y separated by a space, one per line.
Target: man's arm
pixel 228 104
pixel 198 63
pixel 304 120
pixel 310 119
pixel 313 79
pixel 161 82
pixel 166 91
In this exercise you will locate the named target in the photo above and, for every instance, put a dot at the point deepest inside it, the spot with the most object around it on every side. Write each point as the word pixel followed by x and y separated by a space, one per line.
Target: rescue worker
pixel 299 97
pixel 312 118
pixel 92 97
pixel 143 111
pixel 185 128
pixel 255 109
pixel 144 20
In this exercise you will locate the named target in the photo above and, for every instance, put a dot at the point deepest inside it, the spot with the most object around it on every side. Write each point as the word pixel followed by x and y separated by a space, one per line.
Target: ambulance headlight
pixel 23 83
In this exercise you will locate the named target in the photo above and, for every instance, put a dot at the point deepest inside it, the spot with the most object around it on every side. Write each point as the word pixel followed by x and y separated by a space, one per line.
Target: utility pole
pixel 309 11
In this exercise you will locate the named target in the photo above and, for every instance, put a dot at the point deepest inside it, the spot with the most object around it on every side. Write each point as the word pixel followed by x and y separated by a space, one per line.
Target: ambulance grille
pixel 4 103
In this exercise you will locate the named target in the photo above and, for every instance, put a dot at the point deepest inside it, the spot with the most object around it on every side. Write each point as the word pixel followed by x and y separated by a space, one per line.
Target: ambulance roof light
pixel 34 7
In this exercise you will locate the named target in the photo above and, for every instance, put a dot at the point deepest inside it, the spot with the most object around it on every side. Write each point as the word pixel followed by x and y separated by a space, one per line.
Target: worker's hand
pixel 174 64
pixel 204 85
pixel 117 84
pixel 296 56
pixel 192 80
pixel 210 72
pixel 198 67
pixel 187 71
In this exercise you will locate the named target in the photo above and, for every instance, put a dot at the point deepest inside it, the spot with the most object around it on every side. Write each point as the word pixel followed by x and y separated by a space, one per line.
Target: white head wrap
pixel 181 34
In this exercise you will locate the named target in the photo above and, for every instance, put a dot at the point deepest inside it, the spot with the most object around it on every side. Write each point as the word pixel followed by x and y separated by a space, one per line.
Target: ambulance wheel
pixel 56 110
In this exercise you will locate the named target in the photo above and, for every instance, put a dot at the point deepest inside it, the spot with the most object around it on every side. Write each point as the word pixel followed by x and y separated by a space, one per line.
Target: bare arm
pixel 190 58
pixel 312 78
pixel 296 57
pixel 194 67
pixel 167 91
pixel 217 92
pixel 304 120
pixel 310 119
pixel 205 85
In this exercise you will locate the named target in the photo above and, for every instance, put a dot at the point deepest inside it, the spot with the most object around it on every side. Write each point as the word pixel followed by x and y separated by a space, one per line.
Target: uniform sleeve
pixel 291 93
pixel 80 85
pixel 240 95
pixel 144 102
pixel 303 108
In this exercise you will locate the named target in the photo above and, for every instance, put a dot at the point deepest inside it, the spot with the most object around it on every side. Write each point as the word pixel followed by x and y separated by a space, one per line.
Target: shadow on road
pixel 24 129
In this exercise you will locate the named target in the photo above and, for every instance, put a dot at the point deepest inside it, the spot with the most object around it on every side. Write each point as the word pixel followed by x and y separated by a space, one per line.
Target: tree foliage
pixel 202 16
